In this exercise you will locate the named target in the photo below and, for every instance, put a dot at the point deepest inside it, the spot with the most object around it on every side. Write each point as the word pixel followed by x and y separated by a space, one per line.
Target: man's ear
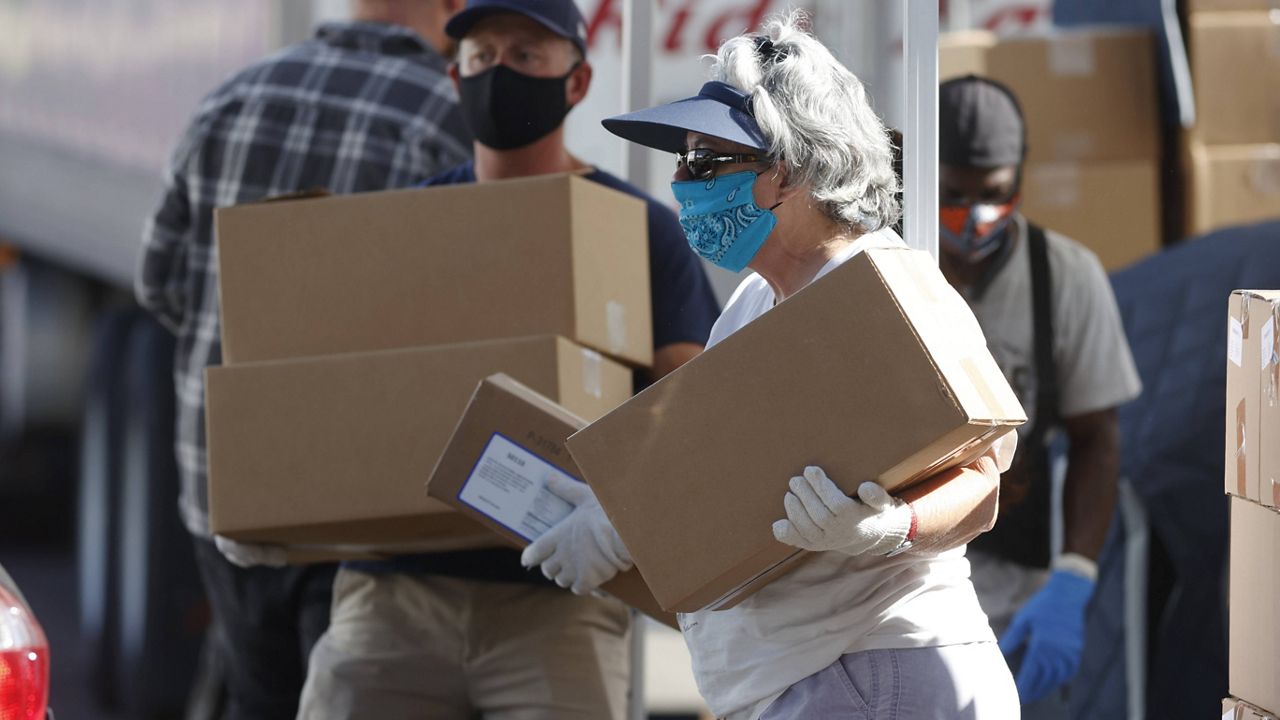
pixel 579 83
pixel 454 75
pixel 452 7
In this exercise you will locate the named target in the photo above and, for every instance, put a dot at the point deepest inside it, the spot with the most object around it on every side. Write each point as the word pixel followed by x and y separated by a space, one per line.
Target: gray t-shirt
pixel 1095 367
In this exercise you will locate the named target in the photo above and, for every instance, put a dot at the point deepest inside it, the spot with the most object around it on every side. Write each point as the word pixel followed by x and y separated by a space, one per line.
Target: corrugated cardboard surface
pixel 1253 396
pixel 1254 616
pixel 1235 68
pixel 540 426
pixel 692 471
pixel 1194 6
pixel 1265 315
pixel 1236 709
pixel 1088 95
pixel 1231 184
pixel 1111 208
pixel 338 449
pixel 374 271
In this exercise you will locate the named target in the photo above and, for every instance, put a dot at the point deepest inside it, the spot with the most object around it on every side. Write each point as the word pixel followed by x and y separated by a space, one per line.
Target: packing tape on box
pixel 615 317
pixel 1072 56
pixel 1264 174
pixel 1057 184
pixel 1242 452
pixel 592 373
pixel 980 384
pixel 1271 357
pixel 1073 144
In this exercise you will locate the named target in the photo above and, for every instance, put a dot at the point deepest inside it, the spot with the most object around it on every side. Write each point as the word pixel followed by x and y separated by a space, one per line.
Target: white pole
pixel 920 135
pixel 637 72
pixel 637 78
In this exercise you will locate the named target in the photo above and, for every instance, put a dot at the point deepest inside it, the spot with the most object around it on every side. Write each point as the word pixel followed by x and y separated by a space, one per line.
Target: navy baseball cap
pixel 561 17
pixel 718 110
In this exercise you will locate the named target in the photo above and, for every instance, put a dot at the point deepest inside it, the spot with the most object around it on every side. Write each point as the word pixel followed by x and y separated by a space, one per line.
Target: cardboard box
pixel 1235 70
pixel 1236 709
pixel 1088 95
pixel 556 255
pixel 337 450
pixel 1253 396
pixel 1231 185
pixel 1199 6
pixel 1253 620
pixel 1111 208
pixel 495 470
pixel 871 372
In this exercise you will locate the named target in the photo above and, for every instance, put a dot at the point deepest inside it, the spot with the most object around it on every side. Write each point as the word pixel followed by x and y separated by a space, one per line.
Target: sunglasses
pixel 702 162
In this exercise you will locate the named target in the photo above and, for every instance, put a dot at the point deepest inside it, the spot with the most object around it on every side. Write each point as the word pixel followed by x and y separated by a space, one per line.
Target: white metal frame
pixel 920 136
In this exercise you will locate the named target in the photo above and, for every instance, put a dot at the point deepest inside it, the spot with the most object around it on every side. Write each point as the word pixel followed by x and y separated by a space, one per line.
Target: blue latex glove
pixel 1051 626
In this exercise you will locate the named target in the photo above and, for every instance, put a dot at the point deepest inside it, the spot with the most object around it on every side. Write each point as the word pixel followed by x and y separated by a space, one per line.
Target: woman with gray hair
pixel 783 167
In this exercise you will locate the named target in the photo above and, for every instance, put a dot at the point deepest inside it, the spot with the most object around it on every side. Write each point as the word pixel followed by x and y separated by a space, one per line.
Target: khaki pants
pixel 420 647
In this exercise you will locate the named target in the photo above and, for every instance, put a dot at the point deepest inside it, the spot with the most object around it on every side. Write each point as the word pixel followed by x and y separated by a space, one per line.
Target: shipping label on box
pixel 1253 621
pixel 1253 396
pixel 495 470
pixel 877 370
pixel 554 254
pixel 337 449
pixel 1061 79
pixel 1235 70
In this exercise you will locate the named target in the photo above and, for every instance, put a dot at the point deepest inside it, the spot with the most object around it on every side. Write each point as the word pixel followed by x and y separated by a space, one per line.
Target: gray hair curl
pixel 818 121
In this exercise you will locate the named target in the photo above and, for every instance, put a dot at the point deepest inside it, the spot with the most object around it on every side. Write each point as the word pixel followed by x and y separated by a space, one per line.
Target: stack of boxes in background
pixel 1093 133
pixel 356 328
pixel 1232 156
pixel 1253 481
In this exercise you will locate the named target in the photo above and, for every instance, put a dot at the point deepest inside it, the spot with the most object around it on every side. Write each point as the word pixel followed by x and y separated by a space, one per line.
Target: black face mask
pixel 506 109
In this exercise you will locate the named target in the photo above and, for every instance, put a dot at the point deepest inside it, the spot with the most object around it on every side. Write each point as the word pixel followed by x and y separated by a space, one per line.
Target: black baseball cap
pixel 561 17
pixel 980 124
pixel 718 110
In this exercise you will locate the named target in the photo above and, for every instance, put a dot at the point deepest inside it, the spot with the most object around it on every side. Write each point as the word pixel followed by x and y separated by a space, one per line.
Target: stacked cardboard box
pixel 1093 134
pixel 1232 157
pixel 1252 472
pixel 356 328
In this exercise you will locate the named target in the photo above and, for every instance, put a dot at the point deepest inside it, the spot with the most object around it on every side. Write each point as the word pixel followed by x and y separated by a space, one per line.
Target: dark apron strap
pixel 1021 533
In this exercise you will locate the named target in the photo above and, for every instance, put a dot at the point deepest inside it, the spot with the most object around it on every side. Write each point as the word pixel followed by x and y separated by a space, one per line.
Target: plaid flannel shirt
pixel 360 107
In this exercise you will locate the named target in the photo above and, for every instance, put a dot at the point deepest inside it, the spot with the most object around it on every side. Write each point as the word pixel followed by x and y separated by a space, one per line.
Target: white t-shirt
pixel 831 604
pixel 1095 368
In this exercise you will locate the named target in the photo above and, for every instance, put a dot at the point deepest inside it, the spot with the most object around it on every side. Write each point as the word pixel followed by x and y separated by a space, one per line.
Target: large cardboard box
pixel 1112 208
pixel 1253 396
pixel 495 470
pixel 1254 596
pixel 1231 185
pixel 1236 709
pixel 1088 95
pixel 1235 70
pixel 545 255
pixel 337 450
pixel 876 371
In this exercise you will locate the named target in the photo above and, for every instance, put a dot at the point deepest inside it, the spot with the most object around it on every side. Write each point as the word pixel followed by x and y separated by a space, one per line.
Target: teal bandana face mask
pixel 721 219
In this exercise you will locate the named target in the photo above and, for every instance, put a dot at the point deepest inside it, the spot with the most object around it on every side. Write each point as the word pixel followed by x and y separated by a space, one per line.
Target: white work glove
pixel 821 517
pixel 582 551
pixel 248 555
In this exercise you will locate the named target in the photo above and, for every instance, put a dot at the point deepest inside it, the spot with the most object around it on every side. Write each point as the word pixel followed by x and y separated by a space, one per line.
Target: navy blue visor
pixel 719 110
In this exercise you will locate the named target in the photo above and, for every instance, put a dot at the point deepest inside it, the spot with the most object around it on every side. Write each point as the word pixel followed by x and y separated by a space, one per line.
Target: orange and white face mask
pixel 974 232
